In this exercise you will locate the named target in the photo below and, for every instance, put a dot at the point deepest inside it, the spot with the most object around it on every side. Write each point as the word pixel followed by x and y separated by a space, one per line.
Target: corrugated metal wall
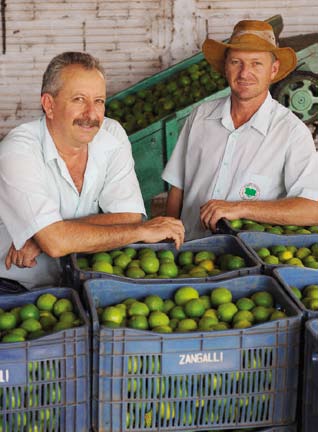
pixel 133 39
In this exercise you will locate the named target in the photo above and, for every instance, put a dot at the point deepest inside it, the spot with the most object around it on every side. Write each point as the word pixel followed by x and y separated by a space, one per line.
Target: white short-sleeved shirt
pixel 37 190
pixel 269 157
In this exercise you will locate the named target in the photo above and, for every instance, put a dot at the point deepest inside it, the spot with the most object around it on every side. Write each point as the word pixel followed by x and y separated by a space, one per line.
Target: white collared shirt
pixel 37 190
pixel 269 157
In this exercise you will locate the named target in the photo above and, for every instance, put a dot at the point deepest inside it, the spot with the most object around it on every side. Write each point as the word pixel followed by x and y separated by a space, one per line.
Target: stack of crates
pixel 45 381
pixel 237 378
pixel 310 393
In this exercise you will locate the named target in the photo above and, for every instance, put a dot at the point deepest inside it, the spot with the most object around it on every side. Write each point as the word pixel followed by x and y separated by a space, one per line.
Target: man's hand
pixel 212 211
pixel 24 257
pixel 163 228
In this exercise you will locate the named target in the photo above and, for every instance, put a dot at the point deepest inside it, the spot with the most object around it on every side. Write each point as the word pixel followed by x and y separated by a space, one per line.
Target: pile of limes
pixel 308 296
pixel 290 255
pixel 32 320
pixel 148 263
pixel 250 225
pixel 139 109
pixel 188 311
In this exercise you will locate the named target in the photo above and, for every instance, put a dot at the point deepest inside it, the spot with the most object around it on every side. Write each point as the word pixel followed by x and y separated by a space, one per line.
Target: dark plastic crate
pixel 298 277
pixel 256 240
pixel 254 371
pixel 219 244
pixel 45 382
pixel 310 386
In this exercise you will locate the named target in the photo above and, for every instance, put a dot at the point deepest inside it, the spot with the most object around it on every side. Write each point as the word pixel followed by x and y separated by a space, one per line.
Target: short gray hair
pixel 51 82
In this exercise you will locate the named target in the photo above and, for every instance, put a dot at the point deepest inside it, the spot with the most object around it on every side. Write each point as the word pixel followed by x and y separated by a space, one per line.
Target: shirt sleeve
pixel 301 167
pixel 121 191
pixel 174 172
pixel 26 207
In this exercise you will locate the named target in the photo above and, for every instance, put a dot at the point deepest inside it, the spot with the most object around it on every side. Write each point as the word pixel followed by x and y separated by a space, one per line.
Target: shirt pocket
pixel 255 187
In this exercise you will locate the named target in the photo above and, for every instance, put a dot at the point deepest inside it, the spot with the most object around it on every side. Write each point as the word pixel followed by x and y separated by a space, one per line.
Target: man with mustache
pixel 67 180
pixel 244 156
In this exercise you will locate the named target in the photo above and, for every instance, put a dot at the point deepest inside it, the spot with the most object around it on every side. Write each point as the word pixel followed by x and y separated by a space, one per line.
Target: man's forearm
pixel 111 218
pixel 288 211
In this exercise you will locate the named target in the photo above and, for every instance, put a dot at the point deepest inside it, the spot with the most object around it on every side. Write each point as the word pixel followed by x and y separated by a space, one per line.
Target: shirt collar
pixel 49 149
pixel 260 120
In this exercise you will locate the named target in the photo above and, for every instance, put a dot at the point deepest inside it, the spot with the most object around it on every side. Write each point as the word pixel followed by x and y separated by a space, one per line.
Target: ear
pixel 275 69
pixel 47 102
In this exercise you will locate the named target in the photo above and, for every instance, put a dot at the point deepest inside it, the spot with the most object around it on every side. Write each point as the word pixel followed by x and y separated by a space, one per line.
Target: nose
pixel 90 109
pixel 244 70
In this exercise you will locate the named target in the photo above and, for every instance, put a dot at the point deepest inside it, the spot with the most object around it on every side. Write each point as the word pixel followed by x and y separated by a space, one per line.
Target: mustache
pixel 86 123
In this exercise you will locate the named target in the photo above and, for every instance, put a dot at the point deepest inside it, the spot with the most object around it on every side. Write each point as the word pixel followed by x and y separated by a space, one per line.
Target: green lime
pixel 220 295
pixel 154 303
pixel 12 337
pixel 122 261
pixel 138 308
pixel 297 292
pixel 185 258
pixel 207 322
pixel 184 294
pixel 102 256
pixel 226 311
pixel 165 254
pixel 261 314
pixel 168 270
pixel 135 273
pixel 263 298
pixel 245 304
pixel 7 321
pixel 29 311
pixel 102 266
pixel 157 318
pixel 186 324
pixel 46 301
pixel 131 252
pixel 177 312
pixel 138 322
pixel 31 325
pixel 277 314
pixel 149 264
pixel 62 305
pixel 194 308
pixel 168 304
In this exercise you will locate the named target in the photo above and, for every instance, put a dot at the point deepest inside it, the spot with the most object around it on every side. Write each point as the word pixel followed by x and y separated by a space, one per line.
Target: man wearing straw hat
pixel 245 155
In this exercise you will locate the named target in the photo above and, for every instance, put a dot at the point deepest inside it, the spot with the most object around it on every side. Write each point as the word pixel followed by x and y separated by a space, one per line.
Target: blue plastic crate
pixel 165 378
pixel 256 240
pixel 45 382
pixel 219 244
pixel 298 277
pixel 310 385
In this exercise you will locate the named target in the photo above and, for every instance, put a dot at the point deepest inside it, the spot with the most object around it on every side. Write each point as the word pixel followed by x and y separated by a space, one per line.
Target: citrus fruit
pixel 122 261
pixel 139 322
pixel 134 263
pixel 82 263
pixel 102 256
pixel 271 260
pixel 263 298
pixel 220 326
pixel 111 324
pixel 177 312
pixel 261 314
pixel 131 252
pixel 168 304
pixel 311 264
pixel 186 324
pixel 118 271
pixel 7 321
pixel 135 273
pixel 207 323
pixel 198 272
pixel 68 316
pixel 243 315
pixel 157 318
pixel 207 265
pixel 220 295
pixel 154 303
pixel 12 337
pixel 302 252
pixel 295 262
pixel 46 301
pixel 194 308
pixel 29 311
pixel 242 324
pixel 138 308
pixel 263 252
pixel 185 258
pixel 277 314
pixel 165 254
pixel 149 264
pixel 296 291
pixel 210 313
pixel 102 266
pixel 62 305
pixel 203 256
pixel 31 325
pixel 47 320
pixel 285 256
pixel 168 270
pixel 19 331
pixel 311 291
pixel 234 262
pixel 206 301
pixel 276 249
pixel 226 311
pixel 146 251
pixel 236 224
pixel 162 329
pixel 184 294
pixel 245 304
pixel 114 254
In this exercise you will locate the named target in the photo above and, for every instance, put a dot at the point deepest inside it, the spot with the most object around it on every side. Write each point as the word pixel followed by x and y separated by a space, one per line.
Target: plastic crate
pixel 45 382
pixel 219 244
pixel 256 240
pixel 254 371
pixel 298 277
pixel 310 385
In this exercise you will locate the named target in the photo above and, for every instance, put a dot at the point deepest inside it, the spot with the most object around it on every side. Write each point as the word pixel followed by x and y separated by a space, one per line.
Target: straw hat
pixel 249 35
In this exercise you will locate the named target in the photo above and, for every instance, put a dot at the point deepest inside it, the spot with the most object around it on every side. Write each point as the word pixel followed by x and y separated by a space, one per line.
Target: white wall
pixel 133 39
